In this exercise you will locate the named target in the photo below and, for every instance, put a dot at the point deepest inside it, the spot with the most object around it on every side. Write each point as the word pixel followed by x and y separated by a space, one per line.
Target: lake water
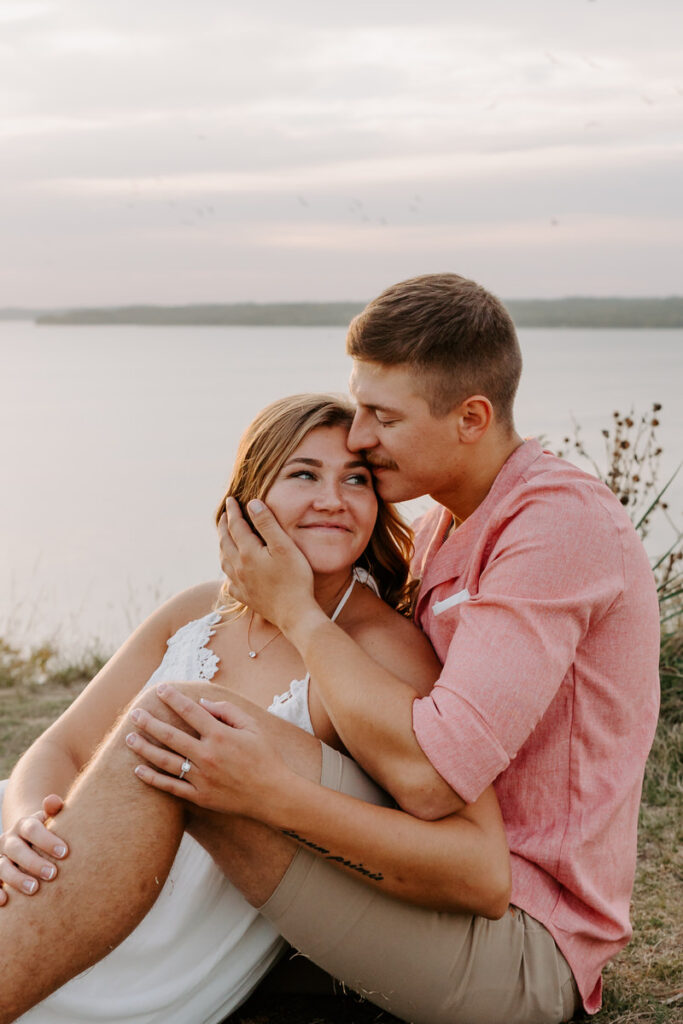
pixel 116 444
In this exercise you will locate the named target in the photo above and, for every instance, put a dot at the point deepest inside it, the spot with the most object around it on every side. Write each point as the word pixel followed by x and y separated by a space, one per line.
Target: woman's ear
pixel 475 416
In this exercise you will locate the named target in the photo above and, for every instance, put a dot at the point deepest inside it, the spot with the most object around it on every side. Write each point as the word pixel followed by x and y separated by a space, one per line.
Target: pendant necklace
pixel 252 652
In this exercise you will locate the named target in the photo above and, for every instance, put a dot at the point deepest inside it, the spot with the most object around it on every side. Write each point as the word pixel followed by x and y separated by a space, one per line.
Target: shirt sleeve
pixel 555 567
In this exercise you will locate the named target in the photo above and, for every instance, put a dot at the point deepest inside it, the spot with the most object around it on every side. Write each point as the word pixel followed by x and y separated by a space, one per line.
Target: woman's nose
pixel 329 496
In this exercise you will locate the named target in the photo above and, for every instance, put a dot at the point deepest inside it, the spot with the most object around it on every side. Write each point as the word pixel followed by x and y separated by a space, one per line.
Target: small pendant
pixel 252 654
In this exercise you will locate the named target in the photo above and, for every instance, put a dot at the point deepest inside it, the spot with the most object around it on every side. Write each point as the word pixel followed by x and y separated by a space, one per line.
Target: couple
pixel 533 588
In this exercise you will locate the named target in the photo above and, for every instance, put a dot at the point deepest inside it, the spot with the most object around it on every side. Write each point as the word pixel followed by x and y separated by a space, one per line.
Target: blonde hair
pixel 267 444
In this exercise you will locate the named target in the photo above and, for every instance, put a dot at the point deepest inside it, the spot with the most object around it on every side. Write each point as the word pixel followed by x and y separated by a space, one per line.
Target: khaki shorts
pixel 423 966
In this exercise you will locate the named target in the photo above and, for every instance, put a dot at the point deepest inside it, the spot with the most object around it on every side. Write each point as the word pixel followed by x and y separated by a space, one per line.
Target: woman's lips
pixel 324 526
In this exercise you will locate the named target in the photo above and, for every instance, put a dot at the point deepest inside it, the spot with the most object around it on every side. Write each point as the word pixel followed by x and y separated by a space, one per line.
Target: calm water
pixel 116 443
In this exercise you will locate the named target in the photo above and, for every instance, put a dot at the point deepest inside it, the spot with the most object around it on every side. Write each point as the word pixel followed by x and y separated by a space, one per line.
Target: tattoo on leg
pixel 376 876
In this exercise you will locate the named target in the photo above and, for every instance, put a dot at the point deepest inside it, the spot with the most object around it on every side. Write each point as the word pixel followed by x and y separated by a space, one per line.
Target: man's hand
pixel 271 576
pixel 25 849
pixel 233 766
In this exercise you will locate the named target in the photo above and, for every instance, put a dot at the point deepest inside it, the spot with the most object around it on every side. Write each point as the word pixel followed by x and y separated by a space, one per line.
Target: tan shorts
pixel 421 965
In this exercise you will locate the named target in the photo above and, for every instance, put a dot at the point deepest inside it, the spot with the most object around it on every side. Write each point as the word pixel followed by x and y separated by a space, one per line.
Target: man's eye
pixel 385 423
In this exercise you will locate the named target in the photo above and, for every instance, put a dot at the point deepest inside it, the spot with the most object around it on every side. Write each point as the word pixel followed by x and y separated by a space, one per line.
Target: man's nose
pixel 361 435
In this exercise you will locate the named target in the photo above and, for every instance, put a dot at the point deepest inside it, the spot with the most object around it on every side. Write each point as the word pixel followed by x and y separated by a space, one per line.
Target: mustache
pixel 381 463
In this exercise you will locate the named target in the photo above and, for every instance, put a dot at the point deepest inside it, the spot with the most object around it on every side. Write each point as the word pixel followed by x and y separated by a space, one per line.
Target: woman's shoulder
pixel 193 603
pixel 391 638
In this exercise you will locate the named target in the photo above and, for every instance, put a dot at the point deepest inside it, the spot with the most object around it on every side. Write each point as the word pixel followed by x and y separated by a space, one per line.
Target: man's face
pixel 411 451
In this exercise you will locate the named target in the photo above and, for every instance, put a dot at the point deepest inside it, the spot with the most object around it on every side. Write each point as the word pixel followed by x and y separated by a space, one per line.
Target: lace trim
pixel 208 661
pixel 196 635
pixel 291 694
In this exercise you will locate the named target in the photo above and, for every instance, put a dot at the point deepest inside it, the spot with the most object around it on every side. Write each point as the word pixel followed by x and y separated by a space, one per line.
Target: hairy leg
pixel 122 837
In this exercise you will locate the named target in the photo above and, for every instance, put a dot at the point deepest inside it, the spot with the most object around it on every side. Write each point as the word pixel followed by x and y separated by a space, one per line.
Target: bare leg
pixel 122 838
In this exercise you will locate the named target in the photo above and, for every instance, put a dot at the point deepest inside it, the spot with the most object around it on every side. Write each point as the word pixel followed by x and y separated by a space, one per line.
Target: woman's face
pixel 323 498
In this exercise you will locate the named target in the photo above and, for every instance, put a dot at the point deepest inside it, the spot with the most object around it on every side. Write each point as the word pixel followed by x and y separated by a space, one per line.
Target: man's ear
pixel 475 416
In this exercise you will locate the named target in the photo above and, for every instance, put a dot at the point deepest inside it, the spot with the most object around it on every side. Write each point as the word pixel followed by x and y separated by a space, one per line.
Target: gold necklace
pixel 252 652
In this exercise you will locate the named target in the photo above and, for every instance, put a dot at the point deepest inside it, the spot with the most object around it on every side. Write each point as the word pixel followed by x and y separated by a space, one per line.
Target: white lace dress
pixel 201 949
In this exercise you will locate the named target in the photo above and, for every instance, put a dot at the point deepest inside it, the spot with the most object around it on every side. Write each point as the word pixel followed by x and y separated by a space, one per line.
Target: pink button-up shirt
pixel 543 610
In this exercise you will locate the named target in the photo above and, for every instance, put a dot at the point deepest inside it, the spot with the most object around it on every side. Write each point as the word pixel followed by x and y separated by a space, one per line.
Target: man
pixel 537 597
pixel 534 586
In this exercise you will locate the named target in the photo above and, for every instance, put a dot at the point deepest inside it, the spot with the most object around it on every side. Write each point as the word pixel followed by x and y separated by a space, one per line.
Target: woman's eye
pixel 359 479
pixel 302 474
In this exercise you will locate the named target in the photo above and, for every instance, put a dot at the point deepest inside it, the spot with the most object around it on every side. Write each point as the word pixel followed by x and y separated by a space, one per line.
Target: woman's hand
pixel 26 850
pixel 230 767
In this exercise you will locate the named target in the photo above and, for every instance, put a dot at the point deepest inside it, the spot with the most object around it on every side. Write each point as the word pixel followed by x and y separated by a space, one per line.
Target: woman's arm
pixel 52 762
pixel 458 863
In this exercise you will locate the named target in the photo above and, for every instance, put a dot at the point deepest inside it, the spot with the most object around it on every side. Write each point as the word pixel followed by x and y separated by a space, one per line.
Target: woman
pixel 201 949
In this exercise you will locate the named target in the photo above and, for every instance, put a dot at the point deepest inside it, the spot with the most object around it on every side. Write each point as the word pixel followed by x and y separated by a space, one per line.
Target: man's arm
pixel 238 766
pixel 369 705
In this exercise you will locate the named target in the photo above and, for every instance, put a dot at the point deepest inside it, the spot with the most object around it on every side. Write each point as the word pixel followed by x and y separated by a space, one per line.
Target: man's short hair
pixel 459 339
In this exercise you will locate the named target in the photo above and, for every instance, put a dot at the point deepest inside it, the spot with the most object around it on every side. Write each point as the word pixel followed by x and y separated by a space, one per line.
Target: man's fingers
pixel 239 529
pixel 228 551
pixel 268 526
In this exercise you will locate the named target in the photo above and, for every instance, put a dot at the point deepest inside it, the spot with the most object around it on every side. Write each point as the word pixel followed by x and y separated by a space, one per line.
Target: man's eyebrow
pixel 374 407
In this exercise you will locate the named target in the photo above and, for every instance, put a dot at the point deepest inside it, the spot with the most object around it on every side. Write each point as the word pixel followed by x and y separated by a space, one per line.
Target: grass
pixel 643 985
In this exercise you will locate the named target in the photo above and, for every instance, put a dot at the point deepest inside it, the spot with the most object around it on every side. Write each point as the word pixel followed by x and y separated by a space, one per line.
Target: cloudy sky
pixel 212 150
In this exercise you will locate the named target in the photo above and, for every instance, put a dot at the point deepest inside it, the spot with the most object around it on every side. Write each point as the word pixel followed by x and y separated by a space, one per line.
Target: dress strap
pixel 358 575
pixel 361 576
pixel 347 594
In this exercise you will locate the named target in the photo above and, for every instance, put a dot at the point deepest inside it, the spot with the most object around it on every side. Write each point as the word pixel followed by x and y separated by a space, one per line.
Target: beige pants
pixel 423 966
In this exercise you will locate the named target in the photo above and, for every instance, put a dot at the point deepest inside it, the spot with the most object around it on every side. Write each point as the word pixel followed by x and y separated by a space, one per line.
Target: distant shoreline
pixel 576 311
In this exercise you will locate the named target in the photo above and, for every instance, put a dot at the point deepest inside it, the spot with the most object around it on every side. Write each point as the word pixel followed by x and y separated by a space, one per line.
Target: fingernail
pixel 135 714
pixel 256 506
pixel 131 739
pixel 29 887
pixel 139 771
pixel 48 873
pixel 59 850
pixel 161 688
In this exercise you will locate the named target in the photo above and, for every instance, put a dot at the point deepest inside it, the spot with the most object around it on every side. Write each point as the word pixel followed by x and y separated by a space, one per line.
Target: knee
pixel 149 702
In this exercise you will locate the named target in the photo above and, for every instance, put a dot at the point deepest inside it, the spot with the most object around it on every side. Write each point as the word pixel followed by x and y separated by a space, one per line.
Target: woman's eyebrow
pixel 351 464
pixel 307 462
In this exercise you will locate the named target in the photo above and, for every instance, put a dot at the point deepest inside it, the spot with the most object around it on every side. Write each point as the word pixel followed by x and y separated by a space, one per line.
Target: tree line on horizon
pixel 576 311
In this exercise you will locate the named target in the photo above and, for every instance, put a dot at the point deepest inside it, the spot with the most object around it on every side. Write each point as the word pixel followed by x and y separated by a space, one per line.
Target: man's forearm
pixel 371 710
pixel 456 864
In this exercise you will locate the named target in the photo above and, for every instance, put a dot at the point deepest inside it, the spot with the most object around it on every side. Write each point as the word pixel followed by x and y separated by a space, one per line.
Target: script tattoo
pixel 376 876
